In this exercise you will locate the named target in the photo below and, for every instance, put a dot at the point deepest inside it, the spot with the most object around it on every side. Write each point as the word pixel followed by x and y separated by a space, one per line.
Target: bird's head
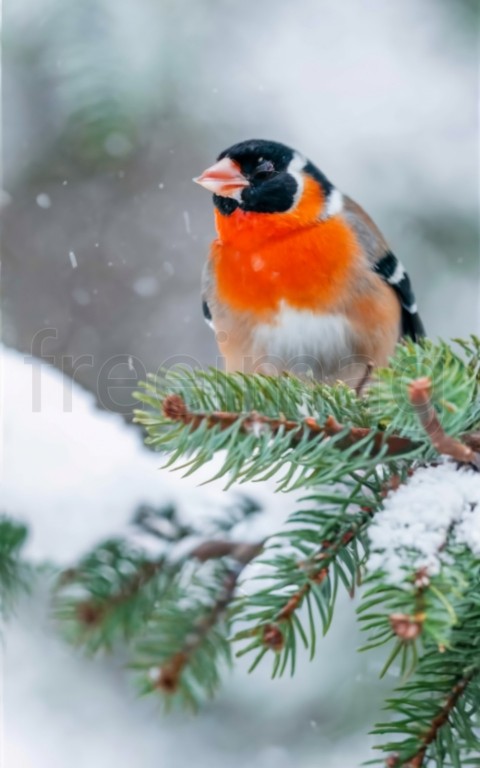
pixel 259 176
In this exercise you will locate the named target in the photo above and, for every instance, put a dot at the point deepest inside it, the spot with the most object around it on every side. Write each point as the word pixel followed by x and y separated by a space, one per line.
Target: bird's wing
pixel 391 270
pixel 385 264
pixel 207 283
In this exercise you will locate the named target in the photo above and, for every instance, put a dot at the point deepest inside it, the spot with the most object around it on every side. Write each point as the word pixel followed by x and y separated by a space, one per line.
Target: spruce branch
pixel 420 392
pixel 242 552
pixel 315 570
pixel 169 673
pixel 94 611
pixel 437 710
pixel 175 409
pixel 15 573
pixel 362 463
pixel 310 579
pixel 306 433
pixel 168 676
pixel 438 722
pixel 186 637
pixel 115 588
pixel 109 594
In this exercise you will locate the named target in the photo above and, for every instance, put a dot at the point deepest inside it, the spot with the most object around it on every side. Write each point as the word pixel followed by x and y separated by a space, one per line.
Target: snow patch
pixel 76 474
pixel 438 505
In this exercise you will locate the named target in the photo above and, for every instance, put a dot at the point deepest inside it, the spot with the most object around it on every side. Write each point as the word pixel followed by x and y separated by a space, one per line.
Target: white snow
pixel 76 474
pixel 81 296
pixel 437 506
pixel 147 285
pixel 73 259
pixel 43 200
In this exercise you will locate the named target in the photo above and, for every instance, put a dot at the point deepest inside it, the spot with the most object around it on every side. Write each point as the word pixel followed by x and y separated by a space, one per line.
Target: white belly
pixel 323 342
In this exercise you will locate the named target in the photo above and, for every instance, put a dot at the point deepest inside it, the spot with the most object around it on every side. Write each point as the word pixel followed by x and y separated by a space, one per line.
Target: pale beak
pixel 224 178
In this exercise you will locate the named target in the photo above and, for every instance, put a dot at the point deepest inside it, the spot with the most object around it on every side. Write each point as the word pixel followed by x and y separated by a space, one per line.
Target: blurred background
pixel 109 109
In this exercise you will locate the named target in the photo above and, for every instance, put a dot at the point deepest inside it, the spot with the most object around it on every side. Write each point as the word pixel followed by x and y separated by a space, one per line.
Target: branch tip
pixel 420 392
pixel 273 637
pixel 174 408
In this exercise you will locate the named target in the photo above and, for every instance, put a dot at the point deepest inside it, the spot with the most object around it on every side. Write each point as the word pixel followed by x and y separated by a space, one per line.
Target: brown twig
pixel 272 633
pixel 472 439
pixel 365 379
pixel 174 408
pixel 169 674
pixel 93 611
pixel 395 443
pixel 437 723
pixel 420 392
pixel 317 568
pixel 241 552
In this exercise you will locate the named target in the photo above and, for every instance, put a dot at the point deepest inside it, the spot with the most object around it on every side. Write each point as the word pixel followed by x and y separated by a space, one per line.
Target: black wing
pixel 393 272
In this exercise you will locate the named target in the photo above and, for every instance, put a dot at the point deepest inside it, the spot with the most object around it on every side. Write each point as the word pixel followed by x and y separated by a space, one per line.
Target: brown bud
pixel 421 578
pixel 273 637
pixel 391 761
pixel 167 680
pixel 169 675
pixel 420 389
pixel 174 408
pixel 406 627
pixel 89 613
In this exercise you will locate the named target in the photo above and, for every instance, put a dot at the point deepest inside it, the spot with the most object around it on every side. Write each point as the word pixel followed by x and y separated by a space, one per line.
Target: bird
pixel 299 278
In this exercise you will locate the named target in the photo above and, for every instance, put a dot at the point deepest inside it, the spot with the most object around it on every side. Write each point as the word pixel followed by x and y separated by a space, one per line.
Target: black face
pixel 264 164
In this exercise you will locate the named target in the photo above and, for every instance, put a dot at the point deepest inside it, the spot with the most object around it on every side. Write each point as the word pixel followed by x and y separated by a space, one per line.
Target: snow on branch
pixel 437 505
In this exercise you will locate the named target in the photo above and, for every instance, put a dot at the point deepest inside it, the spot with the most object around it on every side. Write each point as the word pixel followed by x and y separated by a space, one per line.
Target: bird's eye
pixel 264 170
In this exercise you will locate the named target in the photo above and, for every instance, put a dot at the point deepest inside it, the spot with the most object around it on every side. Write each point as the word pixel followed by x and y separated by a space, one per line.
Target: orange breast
pixel 262 259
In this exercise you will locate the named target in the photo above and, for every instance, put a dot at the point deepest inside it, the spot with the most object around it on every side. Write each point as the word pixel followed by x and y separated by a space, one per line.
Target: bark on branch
pixel 169 674
pixel 441 719
pixel 420 392
pixel 175 408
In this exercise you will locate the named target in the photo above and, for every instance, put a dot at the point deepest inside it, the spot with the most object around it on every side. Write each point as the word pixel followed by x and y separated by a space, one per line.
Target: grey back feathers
pixel 386 265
